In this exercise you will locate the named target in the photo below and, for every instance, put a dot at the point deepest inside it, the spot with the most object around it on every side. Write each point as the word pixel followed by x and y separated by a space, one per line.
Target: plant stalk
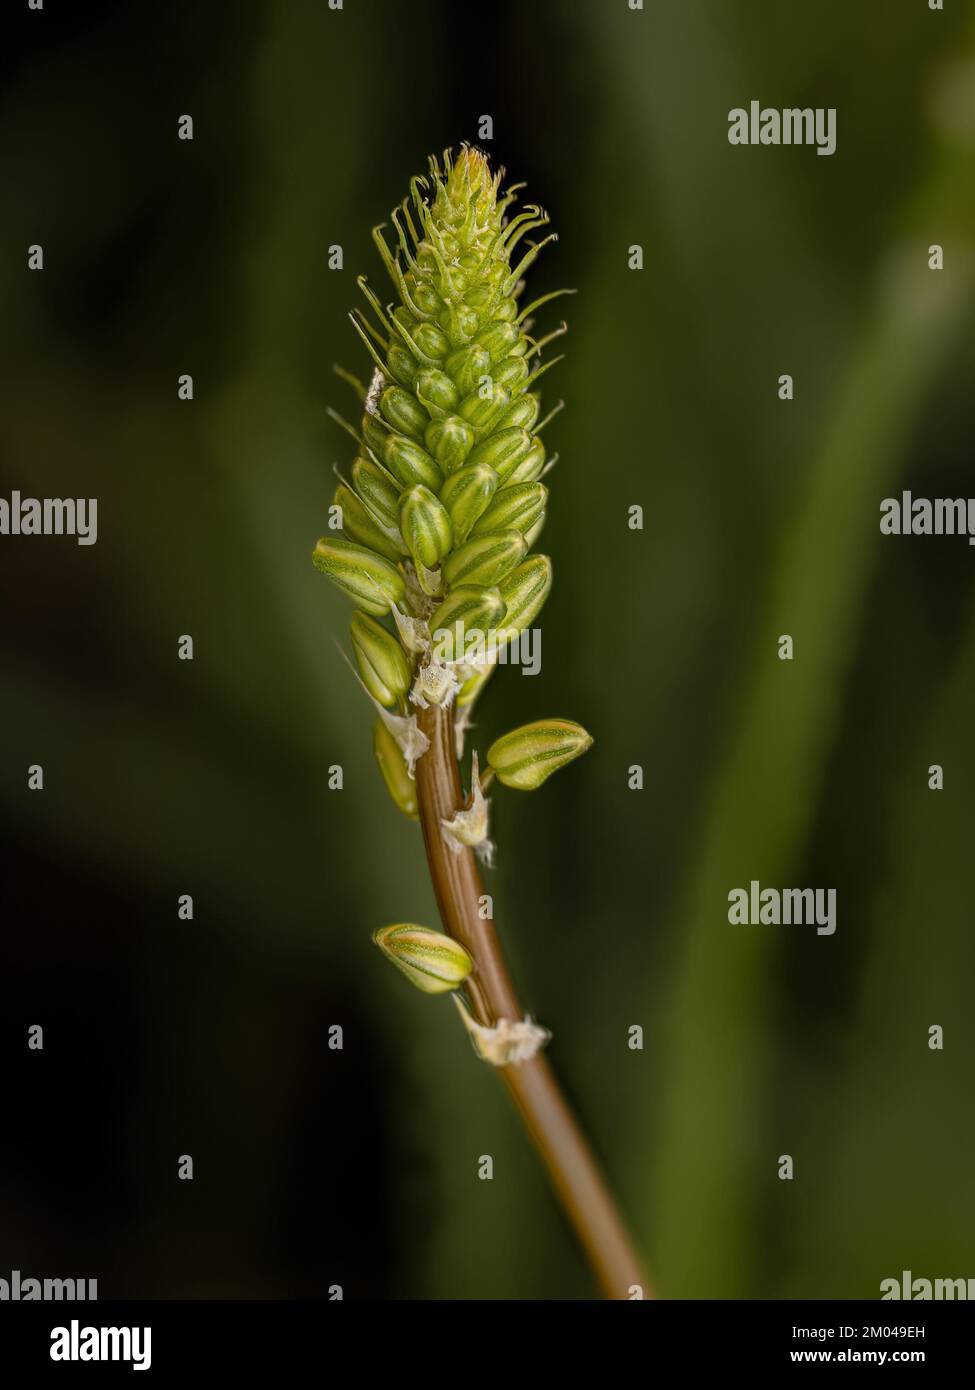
pixel 573 1170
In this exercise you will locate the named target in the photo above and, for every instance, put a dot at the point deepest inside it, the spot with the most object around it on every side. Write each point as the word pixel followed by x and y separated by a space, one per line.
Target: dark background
pixel 315 1167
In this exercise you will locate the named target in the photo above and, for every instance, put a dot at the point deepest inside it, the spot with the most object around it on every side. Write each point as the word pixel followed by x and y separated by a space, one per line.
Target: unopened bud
pixel 435 963
pixel 528 755
pixel 392 765
pixel 403 412
pixel 382 664
pixel 466 609
pixel 485 560
pixel 466 494
pixel 369 580
pixel 409 464
pixel 513 508
pixel 524 591
pixel 503 451
pixel 360 527
pixel 449 440
pixel 425 526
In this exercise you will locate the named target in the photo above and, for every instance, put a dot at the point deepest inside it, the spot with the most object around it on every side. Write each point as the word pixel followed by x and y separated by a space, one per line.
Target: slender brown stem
pixel 575 1175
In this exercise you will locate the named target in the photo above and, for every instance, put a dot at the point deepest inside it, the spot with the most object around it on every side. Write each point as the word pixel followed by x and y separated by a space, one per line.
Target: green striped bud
pixel 503 450
pixel 403 412
pixel 438 393
pixel 409 464
pixel 483 411
pixel 435 963
pixel 498 339
pixel 359 526
pixel 431 341
pixel 379 493
pixel 449 440
pixel 392 765
pixel 466 494
pixel 369 580
pixel 526 757
pixel 425 524
pixel 513 508
pixel 531 467
pixel 402 365
pixel 522 413
pixel 374 433
pixel 512 373
pixel 467 609
pixel 382 664
pixel 524 591
pixel 485 560
pixel 467 366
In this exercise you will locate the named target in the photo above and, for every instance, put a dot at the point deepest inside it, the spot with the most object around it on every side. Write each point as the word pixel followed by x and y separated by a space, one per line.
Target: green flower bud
pixel 392 765
pixel 403 412
pixel 403 366
pixel 484 411
pixel 467 609
pixel 498 339
pixel 430 340
pixel 466 494
pixel 369 580
pixel 513 508
pixel 449 440
pixel 524 591
pixel 531 467
pixel 425 524
pixel 485 560
pixel 409 464
pixel 374 434
pixel 435 963
pixel 503 450
pixel 522 413
pixel 359 526
pixel 438 393
pixel 380 495
pixel 512 373
pixel 466 367
pixel 527 756
pixel 382 664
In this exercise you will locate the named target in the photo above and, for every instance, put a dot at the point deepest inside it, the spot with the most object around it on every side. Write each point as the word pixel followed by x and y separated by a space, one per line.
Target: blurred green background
pixel 315 1167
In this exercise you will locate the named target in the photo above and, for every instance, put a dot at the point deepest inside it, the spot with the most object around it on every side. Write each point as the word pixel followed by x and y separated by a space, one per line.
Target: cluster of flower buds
pixel 445 497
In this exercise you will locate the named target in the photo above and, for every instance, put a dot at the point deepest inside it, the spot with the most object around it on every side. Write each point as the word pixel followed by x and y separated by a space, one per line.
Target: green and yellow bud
pixel 409 464
pixel 403 412
pixel 449 440
pixel 380 495
pixel 485 560
pixel 396 775
pixel 425 525
pixel 465 610
pixel 372 582
pixel 531 467
pixel 433 962
pixel 381 660
pixel 466 494
pixel 360 527
pixel 503 451
pixel 524 592
pixel 513 508
pixel 527 756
